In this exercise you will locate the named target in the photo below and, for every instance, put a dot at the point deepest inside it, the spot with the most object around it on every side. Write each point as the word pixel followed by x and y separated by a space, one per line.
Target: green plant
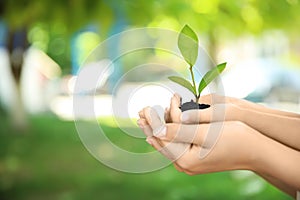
pixel 188 46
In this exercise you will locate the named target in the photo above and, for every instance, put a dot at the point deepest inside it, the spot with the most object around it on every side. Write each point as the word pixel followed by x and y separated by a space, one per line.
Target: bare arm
pixel 279 184
pixel 238 147
pixel 279 162
pixel 270 159
pixel 244 104
pixel 283 128
pixel 260 108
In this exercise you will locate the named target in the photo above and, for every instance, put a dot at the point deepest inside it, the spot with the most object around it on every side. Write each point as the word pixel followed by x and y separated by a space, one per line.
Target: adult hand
pixel 221 109
pixel 208 151
pixel 271 123
pixel 238 146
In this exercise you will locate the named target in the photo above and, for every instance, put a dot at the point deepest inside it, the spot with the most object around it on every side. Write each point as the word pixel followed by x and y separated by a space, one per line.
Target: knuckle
pixel 184 164
pixel 189 173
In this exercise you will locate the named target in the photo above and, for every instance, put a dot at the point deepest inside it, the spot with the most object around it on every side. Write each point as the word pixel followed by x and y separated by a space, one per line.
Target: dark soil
pixel 193 105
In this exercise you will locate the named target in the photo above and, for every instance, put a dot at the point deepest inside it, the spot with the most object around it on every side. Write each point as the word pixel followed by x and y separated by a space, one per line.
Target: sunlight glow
pixel 148 95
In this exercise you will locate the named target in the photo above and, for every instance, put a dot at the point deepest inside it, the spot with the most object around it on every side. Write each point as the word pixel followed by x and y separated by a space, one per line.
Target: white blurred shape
pixel 148 95
pixel 38 70
pixel 244 79
pixel 62 106
pixel 7 84
pixel 130 99
pixel 94 72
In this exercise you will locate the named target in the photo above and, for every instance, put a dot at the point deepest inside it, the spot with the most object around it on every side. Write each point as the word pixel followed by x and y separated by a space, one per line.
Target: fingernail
pixel 184 117
pixel 149 141
pixel 139 123
pixel 160 132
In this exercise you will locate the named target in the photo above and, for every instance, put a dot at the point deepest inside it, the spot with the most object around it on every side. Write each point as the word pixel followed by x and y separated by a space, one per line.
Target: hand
pixel 271 123
pixel 218 111
pixel 230 150
pixel 255 150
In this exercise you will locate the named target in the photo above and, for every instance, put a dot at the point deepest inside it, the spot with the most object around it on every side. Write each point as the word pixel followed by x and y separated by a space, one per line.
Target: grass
pixel 49 162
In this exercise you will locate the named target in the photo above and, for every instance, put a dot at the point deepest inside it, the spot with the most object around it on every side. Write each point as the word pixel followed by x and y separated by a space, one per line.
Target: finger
pixel 176 166
pixel 206 99
pixel 172 151
pixel 178 153
pixel 142 122
pixel 175 111
pixel 178 98
pixel 147 130
pixel 154 121
pixel 167 116
pixel 215 113
pixel 145 127
pixel 159 146
pixel 183 133
pixel 213 99
pixel 196 116
pixel 141 114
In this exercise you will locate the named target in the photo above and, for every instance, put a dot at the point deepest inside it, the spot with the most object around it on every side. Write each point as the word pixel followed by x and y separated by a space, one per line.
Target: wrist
pixel 256 158
pixel 237 102
pixel 263 156
pixel 242 103
pixel 255 146
pixel 235 113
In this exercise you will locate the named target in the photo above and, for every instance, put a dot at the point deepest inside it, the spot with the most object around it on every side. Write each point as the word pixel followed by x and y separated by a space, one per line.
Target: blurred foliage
pixel 50 162
pixel 215 18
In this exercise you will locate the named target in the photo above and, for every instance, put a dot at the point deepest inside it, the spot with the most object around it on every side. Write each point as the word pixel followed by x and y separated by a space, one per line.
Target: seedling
pixel 188 46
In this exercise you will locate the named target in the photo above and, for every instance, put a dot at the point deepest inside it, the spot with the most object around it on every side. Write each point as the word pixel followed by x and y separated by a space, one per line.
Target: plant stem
pixel 197 98
pixel 194 84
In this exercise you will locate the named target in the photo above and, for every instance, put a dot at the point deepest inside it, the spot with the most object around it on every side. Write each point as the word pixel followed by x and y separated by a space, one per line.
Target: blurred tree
pixel 218 19
pixel 16 46
pixel 59 20
pixel 214 19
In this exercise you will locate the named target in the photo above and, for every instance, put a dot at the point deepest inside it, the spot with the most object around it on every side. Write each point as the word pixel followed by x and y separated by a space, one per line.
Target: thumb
pixel 196 116
pixel 214 113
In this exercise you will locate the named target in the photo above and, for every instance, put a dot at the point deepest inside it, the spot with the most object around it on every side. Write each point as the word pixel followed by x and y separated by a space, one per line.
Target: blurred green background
pixel 42 46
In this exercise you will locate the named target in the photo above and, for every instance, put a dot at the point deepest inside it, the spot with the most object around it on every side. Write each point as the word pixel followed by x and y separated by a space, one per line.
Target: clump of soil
pixel 192 105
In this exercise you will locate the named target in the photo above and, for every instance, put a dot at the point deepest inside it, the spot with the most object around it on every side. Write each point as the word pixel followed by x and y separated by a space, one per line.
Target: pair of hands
pixel 200 141
pixel 230 134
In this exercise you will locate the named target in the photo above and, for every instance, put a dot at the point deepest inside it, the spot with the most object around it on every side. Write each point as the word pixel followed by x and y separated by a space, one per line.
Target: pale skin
pixel 250 137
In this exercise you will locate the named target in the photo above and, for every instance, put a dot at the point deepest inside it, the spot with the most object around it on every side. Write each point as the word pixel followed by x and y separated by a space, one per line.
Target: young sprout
pixel 188 46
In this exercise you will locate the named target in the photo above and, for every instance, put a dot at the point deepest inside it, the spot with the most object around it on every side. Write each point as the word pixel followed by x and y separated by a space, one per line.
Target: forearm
pixel 280 185
pixel 278 161
pixel 284 129
pixel 260 108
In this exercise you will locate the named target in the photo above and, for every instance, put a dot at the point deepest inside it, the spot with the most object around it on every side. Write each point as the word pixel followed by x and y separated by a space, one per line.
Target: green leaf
pixel 210 76
pixel 188 45
pixel 184 83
